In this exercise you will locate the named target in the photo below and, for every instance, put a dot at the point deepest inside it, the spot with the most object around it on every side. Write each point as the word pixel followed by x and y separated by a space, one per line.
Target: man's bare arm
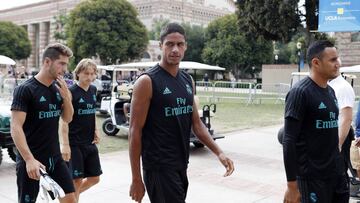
pixel 139 109
pixel 345 119
pixel 65 144
pixel 18 135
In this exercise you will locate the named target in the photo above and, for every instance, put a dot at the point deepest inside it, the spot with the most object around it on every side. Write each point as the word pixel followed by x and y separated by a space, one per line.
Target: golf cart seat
pixel 123 91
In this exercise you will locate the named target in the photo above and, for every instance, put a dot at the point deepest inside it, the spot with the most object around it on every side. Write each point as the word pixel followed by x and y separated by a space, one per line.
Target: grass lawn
pixel 230 115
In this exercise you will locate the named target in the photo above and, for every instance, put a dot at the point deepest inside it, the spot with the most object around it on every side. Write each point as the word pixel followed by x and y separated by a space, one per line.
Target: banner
pixel 339 15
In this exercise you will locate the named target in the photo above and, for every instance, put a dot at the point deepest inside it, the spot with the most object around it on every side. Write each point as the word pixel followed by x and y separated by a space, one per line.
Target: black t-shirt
pixel 166 134
pixel 42 106
pixel 316 110
pixel 82 127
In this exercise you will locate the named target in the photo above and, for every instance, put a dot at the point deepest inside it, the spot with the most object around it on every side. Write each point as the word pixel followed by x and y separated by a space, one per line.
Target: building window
pixel 355 37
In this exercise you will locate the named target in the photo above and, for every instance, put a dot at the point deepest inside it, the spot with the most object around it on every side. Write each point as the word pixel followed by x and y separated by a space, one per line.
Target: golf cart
pixel 5 136
pixel 103 84
pixel 7 87
pixel 122 95
pixel 110 77
pixel 116 104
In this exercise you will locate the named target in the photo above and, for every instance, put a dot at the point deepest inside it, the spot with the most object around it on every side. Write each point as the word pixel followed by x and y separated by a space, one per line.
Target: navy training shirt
pixel 166 133
pixel 82 126
pixel 316 147
pixel 42 106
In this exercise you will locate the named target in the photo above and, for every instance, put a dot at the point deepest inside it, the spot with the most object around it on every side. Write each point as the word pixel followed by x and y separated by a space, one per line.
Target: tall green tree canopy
pixel 157 25
pixel 229 47
pixel 272 19
pixel 14 41
pixel 108 29
pixel 195 38
pixel 277 19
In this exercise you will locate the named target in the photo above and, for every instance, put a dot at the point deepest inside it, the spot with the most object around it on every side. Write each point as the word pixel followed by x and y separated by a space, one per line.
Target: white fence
pixel 242 91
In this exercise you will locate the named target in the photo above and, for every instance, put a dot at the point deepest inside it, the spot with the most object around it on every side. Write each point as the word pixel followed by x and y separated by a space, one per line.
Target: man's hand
pixel 229 165
pixel 65 152
pixel 357 141
pixel 33 168
pixel 63 89
pixel 96 137
pixel 137 190
pixel 292 194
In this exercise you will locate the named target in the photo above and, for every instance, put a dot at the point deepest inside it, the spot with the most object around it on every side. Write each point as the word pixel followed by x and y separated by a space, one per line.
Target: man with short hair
pixel 161 118
pixel 37 105
pixel 313 164
pixel 80 136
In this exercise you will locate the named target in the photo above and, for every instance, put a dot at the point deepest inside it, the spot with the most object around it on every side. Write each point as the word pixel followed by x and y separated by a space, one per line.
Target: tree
pixel 278 19
pixel 195 38
pixel 157 25
pixel 108 29
pixel 227 46
pixel 14 41
pixel 60 22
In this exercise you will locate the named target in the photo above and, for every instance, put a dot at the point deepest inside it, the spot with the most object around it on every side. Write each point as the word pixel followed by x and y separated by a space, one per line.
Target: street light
pixel 298 46
pixel 276 58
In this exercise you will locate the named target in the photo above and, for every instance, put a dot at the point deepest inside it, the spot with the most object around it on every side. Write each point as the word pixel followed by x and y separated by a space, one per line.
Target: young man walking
pixel 37 105
pixel 81 131
pixel 313 164
pixel 162 116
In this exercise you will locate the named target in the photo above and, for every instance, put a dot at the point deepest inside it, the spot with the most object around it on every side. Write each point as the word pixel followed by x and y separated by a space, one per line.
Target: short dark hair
pixel 53 51
pixel 171 28
pixel 316 49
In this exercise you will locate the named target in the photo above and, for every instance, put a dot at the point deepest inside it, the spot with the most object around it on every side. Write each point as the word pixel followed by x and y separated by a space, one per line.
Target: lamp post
pixel 276 58
pixel 298 46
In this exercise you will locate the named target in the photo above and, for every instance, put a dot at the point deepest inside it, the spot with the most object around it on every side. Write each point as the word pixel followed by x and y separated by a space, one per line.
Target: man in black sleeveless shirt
pixel 162 115
pixel 37 105
pixel 313 164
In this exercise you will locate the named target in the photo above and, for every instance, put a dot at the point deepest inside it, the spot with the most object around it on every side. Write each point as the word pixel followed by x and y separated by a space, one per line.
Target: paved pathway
pixel 259 175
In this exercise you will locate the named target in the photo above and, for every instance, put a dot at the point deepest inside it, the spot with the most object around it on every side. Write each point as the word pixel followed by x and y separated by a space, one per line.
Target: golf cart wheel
pixel 108 127
pixel 1 156
pixel 281 135
pixel 12 151
pixel 198 144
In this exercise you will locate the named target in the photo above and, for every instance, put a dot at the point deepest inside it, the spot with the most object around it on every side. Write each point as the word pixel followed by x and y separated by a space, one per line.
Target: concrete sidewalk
pixel 259 174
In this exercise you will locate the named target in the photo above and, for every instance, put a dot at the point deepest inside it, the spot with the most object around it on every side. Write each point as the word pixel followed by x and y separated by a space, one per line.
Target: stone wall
pixel 349 52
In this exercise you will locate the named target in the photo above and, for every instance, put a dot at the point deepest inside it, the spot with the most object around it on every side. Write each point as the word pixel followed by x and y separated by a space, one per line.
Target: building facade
pixel 39 19
pixel 348 45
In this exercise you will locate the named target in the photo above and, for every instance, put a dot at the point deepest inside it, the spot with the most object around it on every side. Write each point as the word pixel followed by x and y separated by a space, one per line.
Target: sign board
pixel 339 15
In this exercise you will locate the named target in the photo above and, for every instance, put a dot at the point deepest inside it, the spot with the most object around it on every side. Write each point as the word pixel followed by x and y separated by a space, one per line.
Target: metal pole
pixel 299 56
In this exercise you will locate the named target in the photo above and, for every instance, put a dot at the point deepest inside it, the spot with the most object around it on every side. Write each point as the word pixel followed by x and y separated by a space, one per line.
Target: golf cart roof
pixel 113 67
pixel 350 69
pixel 300 73
pixel 4 60
pixel 183 65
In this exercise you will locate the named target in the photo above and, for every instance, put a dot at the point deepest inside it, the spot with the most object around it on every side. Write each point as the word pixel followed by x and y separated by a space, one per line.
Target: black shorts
pixel 85 161
pixel 166 186
pixel 334 190
pixel 28 188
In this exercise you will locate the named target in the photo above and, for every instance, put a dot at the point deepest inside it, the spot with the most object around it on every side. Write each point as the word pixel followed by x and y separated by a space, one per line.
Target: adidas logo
pixel 167 91
pixel 42 99
pixel 322 106
pixel 81 100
